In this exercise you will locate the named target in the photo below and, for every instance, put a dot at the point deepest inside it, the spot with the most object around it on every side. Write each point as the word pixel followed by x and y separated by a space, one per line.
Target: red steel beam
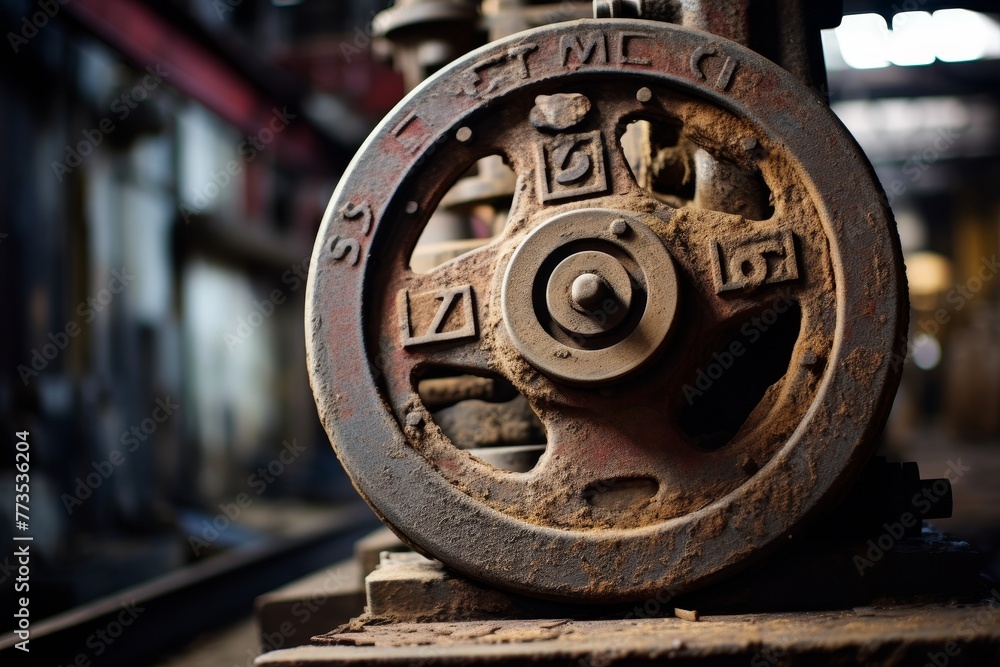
pixel 148 40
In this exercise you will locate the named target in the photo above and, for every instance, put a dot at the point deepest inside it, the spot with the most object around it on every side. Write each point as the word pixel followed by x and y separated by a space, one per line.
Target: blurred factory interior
pixel 165 168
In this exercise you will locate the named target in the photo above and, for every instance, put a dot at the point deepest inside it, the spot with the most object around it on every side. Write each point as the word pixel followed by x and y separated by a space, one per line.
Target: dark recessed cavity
pixel 722 391
pixel 485 415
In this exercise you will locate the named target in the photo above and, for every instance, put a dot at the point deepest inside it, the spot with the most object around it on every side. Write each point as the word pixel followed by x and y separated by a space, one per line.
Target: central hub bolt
pixel 590 296
pixel 589 292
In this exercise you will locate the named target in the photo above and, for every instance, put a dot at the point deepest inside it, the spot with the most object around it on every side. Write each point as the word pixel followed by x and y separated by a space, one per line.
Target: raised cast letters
pixel 412 132
pixel 571 165
pixel 591 48
pixel 345 250
pixel 583 46
pixel 628 50
pixel 446 314
pixel 766 258
pixel 361 212
pixel 725 75
pixel 471 79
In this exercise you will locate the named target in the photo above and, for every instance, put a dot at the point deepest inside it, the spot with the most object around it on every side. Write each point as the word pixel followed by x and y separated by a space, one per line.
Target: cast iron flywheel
pixel 707 382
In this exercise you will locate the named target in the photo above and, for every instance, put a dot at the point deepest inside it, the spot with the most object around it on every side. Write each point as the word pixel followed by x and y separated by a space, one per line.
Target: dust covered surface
pixel 871 635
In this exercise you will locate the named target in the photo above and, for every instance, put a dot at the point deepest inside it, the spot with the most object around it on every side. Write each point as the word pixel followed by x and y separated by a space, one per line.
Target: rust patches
pixel 687 512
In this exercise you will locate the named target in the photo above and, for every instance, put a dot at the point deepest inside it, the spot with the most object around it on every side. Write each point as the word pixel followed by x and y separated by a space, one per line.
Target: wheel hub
pixel 677 448
pixel 586 305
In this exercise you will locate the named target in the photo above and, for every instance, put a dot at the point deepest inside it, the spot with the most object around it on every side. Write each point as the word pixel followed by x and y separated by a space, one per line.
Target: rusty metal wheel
pixel 707 382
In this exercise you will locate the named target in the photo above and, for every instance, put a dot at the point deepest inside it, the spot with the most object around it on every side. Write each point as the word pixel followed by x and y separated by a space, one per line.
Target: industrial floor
pixel 236 646
pixel 976 518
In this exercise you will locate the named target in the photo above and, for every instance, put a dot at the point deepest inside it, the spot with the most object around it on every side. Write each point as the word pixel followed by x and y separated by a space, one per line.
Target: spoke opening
pixel 472 213
pixel 733 378
pixel 621 494
pixel 484 415
pixel 682 170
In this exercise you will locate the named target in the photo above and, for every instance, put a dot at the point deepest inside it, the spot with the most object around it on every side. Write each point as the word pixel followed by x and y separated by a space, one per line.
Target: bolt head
pixel 589 291
pixel 619 228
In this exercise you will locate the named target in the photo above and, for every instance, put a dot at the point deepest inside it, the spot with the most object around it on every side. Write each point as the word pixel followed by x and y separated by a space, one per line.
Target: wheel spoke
pixel 591 447
pixel 436 318
pixel 735 267
pixel 567 147
pixel 609 464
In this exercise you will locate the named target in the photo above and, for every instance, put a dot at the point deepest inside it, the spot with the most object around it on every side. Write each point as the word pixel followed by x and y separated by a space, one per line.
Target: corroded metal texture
pixel 815 573
pixel 890 637
pixel 755 412
pixel 593 328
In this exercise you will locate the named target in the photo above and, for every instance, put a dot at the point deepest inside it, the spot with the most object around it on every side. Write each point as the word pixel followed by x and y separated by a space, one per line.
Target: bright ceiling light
pixel 864 41
pixel 964 35
pixel 913 39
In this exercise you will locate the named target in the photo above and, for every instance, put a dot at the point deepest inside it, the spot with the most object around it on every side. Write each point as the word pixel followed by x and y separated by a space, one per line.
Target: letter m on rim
pixel 585 47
